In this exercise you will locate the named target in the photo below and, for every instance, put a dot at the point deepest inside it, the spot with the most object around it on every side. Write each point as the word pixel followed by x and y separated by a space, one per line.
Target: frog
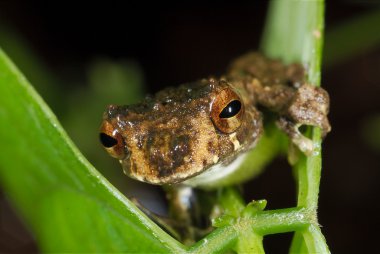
pixel 198 134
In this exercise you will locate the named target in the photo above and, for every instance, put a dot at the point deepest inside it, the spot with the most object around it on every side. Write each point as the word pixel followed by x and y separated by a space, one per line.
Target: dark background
pixel 182 42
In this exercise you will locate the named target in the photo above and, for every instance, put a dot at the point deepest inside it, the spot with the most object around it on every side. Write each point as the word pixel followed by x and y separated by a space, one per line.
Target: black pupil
pixel 231 109
pixel 107 141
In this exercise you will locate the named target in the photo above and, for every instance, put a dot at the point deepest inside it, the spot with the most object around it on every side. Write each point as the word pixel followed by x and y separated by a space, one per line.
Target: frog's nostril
pixel 107 141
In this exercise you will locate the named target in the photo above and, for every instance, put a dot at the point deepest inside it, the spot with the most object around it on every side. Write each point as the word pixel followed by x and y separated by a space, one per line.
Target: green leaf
pixel 68 205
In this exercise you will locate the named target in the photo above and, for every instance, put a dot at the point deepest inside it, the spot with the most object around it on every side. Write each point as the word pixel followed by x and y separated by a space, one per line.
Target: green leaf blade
pixel 67 203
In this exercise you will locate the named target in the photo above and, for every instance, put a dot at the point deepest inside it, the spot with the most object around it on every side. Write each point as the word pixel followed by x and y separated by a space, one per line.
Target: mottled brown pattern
pixel 177 133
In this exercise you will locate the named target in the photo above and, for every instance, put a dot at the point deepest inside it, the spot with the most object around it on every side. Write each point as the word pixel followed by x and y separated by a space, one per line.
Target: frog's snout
pixel 112 140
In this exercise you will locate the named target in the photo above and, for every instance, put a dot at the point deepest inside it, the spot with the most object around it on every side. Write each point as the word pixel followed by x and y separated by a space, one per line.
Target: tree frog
pixel 199 133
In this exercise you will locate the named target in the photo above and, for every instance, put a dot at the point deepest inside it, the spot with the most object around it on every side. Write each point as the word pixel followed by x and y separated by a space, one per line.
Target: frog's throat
pixel 216 173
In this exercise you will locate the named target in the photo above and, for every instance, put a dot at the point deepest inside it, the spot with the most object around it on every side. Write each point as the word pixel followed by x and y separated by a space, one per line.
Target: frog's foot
pixel 309 106
pixel 292 130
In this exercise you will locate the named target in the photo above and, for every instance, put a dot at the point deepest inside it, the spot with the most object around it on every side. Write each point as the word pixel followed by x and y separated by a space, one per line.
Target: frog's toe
pixel 291 129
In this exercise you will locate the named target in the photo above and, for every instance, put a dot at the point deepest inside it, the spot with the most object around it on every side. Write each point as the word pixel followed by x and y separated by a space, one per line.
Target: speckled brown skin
pixel 171 137
pixel 282 89
pixel 174 135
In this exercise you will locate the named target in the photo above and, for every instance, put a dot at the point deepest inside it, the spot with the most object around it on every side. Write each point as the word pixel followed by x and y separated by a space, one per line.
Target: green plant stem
pixel 308 170
pixel 309 240
pixel 231 201
pixel 294 33
pixel 250 242
pixel 298 244
pixel 281 220
pixel 314 239
pixel 220 240
pixel 263 223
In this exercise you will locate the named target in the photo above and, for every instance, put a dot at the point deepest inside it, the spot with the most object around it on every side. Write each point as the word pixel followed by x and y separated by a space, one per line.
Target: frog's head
pixel 180 133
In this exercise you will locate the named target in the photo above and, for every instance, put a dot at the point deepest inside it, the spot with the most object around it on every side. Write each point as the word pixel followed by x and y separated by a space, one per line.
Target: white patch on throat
pixel 216 173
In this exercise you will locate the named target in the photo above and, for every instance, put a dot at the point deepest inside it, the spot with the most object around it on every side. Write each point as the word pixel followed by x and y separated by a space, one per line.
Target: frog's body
pixel 199 133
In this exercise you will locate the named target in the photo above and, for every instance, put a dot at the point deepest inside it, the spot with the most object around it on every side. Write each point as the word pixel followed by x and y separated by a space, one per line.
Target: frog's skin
pixel 180 136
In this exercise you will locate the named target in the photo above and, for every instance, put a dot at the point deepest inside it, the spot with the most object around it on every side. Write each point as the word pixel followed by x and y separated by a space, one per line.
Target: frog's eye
pixel 227 111
pixel 112 140
pixel 107 141
pixel 231 110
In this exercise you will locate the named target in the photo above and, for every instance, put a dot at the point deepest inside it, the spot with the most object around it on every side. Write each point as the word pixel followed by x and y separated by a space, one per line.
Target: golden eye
pixel 227 111
pixel 112 140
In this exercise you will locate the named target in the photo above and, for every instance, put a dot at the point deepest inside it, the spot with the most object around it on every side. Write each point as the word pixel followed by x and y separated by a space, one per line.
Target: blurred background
pixel 82 58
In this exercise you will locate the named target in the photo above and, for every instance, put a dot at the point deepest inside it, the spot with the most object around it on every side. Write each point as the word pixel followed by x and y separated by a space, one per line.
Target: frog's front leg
pixel 184 210
pixel 184 221
pixel 306 105
pixel 309 106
